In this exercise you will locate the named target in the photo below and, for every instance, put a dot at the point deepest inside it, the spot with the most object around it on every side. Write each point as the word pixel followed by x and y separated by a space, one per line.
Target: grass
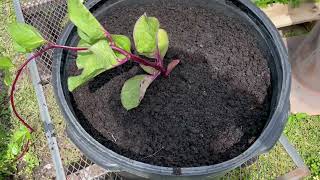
pixel 302 130
pixel 25 98
pixel 293 3
pixel 39 155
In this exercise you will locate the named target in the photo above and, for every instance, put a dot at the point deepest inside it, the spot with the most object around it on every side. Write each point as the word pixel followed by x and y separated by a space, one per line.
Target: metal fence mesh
pixel 49 17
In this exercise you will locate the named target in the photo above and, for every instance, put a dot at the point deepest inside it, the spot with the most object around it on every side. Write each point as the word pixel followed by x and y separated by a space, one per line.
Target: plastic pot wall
pixel 281 81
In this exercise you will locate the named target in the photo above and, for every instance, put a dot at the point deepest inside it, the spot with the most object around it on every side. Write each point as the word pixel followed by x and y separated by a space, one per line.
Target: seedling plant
pixel 98 51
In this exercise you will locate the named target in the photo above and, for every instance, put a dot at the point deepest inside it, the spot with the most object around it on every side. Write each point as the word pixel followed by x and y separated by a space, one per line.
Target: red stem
pixel 24 151
pixel 14 86
pixel 19 72
pixel 108 35
pixel 35 55
pixel 68 47
pixel 158 54
pixel 139 59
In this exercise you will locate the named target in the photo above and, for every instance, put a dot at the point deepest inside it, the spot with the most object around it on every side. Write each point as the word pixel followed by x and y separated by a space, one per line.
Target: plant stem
pixel 108 35
pixel 68 47
pixel 19 72
pixel 24 151
pixel 139 59
pixel 158 54
pixel 15 82
pixel 159 58
pixel 35 55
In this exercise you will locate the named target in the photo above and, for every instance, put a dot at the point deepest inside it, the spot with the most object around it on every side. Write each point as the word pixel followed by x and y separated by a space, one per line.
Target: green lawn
pixel 293 3
pixel 27 105
pixel 302 130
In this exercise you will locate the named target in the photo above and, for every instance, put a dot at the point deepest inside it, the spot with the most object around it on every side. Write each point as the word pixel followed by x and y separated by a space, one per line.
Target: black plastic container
pixel 281 81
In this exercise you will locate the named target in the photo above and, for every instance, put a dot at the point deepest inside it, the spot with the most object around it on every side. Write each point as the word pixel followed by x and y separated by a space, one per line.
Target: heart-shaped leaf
pixel 26 38
pixel 99 58
pixel 89 29
pixel 5 63
pixel 145 34
pixel 163 42
pixel 17 140
pixel 134 90
pixel 20 135
pixel 123 42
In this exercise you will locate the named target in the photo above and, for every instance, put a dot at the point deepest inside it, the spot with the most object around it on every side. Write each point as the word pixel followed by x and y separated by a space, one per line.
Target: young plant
pixel 11 146
pixel 106 51
pixel 99 51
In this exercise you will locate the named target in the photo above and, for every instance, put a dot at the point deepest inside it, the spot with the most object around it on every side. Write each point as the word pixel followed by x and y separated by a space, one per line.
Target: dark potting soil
pixel 213 106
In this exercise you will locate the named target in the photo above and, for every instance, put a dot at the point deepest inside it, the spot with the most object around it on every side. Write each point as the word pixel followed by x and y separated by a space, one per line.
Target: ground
pixel 25 98
pixel 302 130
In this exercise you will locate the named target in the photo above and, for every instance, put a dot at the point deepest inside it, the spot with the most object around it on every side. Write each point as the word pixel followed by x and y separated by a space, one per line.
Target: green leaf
pixel 18 139
pixel 145 35
pixel 14 149
pixel 123 42
pixel 89 29
pixel 7 78
pixel 104 52
pixel 84 56
pixel 83 43
pixel 148 69
pixel 134 90
pixel 18 48
pixel 84 37
pixel 20 135
pixel 5 63
pixel 163 42
pixel 26 38
pixel 84 59
pixel 99 58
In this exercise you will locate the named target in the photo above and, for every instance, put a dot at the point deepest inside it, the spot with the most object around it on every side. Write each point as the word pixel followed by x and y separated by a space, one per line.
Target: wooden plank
pixel 284 15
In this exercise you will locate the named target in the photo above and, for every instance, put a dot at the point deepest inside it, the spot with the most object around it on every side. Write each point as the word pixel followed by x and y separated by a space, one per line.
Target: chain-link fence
pixel 49 16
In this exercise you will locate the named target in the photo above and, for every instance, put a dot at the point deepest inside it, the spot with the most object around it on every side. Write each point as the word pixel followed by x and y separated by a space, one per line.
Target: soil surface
pixel 213 106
